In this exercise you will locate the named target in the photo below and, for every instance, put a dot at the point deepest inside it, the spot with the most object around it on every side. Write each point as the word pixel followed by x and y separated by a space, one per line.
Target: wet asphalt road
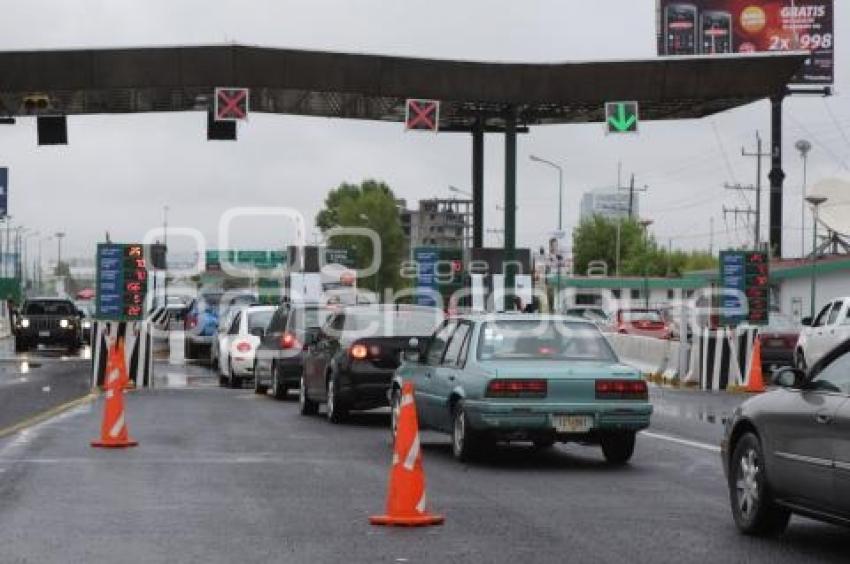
pixel 35 382
pixel 226 476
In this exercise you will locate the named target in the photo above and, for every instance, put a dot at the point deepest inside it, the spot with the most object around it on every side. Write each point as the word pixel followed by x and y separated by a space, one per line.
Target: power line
pixel 835 122
pixel 726 160
pixel 826 148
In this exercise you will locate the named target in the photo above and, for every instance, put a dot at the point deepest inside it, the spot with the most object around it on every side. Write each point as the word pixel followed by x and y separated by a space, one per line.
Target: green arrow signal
pixel 621 121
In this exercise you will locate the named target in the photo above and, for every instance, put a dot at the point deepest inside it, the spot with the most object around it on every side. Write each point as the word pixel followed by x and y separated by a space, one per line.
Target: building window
pixel 689 293
pixel 616 293
pixel 588 299
pixel 636 294
pixel 671 294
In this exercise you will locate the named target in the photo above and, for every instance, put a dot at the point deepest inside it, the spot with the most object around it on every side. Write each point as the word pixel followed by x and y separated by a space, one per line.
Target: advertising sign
pixel 744 273
pixel 711 27
pixel 122 282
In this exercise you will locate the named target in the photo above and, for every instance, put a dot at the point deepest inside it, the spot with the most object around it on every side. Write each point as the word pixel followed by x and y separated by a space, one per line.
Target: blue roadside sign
pixel 426 283
pixel 4 192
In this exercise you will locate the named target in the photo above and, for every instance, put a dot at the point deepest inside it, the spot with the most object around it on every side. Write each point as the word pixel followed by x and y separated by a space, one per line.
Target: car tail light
pixel 358 352
pixel 191 320
pixel 621 389
pixel 507 388
pixel 243 346
pixel 288 341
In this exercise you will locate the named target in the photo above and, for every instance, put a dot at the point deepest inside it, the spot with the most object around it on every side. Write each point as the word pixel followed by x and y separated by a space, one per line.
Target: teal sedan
pixel 518 377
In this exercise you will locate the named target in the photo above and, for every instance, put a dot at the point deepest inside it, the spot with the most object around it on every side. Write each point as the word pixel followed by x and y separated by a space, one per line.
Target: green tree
pixel 596 240
pixel 370 204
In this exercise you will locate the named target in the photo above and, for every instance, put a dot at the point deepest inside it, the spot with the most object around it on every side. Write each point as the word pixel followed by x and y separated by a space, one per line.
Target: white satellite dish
pixel 835 212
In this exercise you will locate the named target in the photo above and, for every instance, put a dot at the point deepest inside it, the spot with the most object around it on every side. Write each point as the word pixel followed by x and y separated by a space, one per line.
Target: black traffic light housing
pixel 220 130
pixel 52 130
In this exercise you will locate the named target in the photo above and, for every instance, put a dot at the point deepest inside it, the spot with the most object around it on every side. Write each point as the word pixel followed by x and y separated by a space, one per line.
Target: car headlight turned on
pixel 63 323
pixel 25 322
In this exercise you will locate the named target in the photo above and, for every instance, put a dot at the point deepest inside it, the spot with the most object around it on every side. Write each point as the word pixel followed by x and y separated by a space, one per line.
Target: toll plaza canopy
pixel 373 87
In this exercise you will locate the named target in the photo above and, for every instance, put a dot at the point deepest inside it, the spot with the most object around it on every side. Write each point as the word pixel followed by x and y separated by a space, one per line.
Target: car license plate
pixel 776 343
pixel 573 423
pixel 44 333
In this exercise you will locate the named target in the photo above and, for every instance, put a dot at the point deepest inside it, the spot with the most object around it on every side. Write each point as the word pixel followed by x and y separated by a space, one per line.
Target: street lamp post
pixel 645 223
pixel 165 245
pixel 59 236
pixel 365 218
pixel 26 256
pixel 815 202
pixel 560 170
pixel 804 147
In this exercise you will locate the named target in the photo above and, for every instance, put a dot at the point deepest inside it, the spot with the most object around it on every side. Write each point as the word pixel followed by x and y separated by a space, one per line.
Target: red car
pixel 643 322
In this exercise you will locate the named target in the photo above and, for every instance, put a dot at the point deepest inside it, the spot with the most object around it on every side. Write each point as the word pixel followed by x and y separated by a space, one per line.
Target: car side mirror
pixel 789 377
pixel 258 332
pixel 807 321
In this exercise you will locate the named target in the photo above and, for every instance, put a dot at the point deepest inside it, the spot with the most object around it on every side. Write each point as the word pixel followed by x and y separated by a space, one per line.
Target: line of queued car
pixel 543 379
pixel 480 378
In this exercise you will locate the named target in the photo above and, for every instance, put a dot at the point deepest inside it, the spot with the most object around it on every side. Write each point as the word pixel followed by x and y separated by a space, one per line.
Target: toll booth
pixel 483 280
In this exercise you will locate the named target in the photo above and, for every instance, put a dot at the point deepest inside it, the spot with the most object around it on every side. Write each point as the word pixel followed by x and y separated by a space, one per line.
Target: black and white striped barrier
pixel 137 350
pixel 725 357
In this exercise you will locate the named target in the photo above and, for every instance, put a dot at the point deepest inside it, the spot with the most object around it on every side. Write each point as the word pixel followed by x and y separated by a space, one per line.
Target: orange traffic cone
pixel 113 430
pixel 755 383
pixel 406 499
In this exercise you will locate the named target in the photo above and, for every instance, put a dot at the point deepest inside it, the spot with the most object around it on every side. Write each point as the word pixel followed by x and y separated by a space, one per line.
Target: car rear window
pixel 49 308
pixel 259 319
pixel 315 317
pixel 638 315
pixel 542 340
pixel 419 322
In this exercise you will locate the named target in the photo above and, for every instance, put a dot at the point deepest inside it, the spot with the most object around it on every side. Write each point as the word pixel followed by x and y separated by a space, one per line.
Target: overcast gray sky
pixel 118 171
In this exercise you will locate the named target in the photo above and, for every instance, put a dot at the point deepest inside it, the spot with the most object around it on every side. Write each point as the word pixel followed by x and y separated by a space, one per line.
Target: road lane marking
pixel 686 442
pixel 45 415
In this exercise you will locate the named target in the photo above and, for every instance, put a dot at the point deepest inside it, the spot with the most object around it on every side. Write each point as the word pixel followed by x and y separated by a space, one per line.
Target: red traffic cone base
pixel 406 499
pixel 411 521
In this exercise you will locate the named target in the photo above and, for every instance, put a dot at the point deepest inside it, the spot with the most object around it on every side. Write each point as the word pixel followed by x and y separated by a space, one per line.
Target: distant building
pixel 608 203
pixel 437 223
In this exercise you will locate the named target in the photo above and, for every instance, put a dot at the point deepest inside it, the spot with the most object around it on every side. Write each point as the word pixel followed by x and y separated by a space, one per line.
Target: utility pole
pixel 711 236
pixel 759 155
pixel 632 189
pixel 749 212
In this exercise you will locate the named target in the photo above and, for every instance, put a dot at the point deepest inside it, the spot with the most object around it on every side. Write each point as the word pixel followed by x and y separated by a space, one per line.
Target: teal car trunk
pixel 537 378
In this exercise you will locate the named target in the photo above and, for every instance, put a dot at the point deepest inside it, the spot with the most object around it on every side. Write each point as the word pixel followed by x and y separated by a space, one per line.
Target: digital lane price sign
pixel 122 282
pixel 747 274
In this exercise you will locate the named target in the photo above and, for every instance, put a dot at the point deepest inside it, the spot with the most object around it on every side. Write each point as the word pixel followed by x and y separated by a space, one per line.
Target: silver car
pixel 788 451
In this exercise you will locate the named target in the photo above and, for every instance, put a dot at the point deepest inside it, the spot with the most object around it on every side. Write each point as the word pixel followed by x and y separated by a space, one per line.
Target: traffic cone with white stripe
pixel 113 430
pixel 406 499
pixel 755 383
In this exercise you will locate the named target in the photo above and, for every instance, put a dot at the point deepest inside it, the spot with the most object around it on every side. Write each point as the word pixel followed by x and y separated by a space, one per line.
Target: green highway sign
pixel 621 117
pixel 246 258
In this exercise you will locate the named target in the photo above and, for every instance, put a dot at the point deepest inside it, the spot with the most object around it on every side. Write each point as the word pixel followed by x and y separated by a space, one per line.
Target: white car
pixel 829 328
pixel 238 344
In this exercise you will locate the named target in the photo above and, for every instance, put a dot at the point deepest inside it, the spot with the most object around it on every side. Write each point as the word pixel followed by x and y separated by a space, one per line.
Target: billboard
pixel 710 27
